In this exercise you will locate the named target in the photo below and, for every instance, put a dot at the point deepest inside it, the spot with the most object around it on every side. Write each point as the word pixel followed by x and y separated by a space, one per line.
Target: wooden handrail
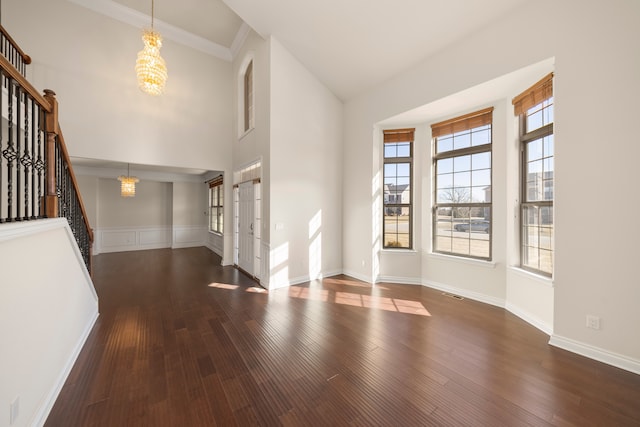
pixel 25 58
pixel 45 183
pixel 22 81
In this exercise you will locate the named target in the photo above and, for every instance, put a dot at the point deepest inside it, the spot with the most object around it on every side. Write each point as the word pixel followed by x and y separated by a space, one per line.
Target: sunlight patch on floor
pixel 359 300
pixel 223 286
pixel 252 289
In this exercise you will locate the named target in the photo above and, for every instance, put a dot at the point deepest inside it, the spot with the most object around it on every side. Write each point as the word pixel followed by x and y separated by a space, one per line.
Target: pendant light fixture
pixel 150 66
pixel 128 184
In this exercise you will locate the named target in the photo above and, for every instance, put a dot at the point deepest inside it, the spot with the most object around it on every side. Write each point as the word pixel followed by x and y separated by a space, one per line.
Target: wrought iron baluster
pixel 2 82
pixel 9 153
pixel 39 165
pixel 19 114
pixel 25 160
pixel 32 202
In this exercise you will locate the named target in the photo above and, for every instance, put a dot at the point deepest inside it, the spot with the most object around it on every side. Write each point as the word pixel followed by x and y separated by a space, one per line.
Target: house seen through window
pixel 462 200
pixel 534 107
pixel 397 195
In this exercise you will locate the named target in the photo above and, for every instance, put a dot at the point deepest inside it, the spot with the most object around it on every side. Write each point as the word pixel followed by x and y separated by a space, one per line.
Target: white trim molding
pixel 69 330
pixel 465 293
pixel 189 236
pixel 43 411
pixel 239 39
pixel 140 20
pixel 529 318
pixel 358 276
pixel 215 242
pixel 122 239
pixel 398 279
pixel 596 353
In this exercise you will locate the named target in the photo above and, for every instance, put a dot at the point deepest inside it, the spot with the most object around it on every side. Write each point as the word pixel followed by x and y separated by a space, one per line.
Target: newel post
pixel 51 131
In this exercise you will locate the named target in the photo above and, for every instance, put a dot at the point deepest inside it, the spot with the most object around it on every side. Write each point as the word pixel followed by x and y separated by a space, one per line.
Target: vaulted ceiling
pixel 209 19
pixel 350 45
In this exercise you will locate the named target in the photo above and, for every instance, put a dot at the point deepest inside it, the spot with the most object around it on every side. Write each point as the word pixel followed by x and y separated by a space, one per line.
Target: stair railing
pixel 36 177
pixel 10 50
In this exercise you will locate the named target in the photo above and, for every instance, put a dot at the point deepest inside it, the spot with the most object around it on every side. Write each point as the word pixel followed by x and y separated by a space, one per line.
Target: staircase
pixel 36 177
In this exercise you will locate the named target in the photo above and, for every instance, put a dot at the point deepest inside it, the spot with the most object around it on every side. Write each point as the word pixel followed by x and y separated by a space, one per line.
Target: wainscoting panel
pixel 122 239
pixel 118 239
pixel 215 242
pixel 265 272
pixel 189 236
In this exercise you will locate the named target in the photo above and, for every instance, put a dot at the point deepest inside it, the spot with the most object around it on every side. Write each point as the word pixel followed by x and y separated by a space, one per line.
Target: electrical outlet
pixel 593 322
pixel 14 411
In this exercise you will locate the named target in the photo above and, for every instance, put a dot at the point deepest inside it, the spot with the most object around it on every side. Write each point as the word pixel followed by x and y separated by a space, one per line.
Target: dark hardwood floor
pixel 182 341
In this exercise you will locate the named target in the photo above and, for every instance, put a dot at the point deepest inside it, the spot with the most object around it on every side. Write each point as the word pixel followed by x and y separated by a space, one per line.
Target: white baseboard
pixel 400 280
pixel 331 273
pixel 43 411
pixel 213 249
pixel 529 318
pixel 358 276
pixel 476 296
pixel 596 353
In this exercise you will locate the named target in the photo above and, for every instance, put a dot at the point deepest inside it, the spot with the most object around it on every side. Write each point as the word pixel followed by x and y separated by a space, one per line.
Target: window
pixel 535 110
pixel 216 204
pixel 462 200
pixel 397 205
pixel 248 97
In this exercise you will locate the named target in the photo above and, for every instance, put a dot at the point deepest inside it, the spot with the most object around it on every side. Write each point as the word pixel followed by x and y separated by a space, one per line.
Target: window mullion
pixel 463 151
pixel 538 133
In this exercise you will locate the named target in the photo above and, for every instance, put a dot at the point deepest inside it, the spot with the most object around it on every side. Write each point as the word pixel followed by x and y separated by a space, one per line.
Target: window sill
pixel 245 133
pixel 543 280
pixel 399 251
pixel 462 260
pixel 216 233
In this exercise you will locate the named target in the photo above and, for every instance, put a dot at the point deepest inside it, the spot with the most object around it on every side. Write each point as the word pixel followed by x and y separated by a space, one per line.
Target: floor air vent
pixel 458 297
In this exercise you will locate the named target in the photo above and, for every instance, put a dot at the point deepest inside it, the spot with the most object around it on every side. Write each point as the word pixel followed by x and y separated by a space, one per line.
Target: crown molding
pixel 240 38
pixel 146 175
pixel 170 32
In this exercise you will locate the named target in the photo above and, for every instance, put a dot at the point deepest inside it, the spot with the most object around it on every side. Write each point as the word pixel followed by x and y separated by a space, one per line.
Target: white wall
pixel 88 60
pixel 594 259
pixel 596 158
pixel 161 215
pixel 133 223
pixel 306 173
pixel 190 204
pixel 190 214
pixel 254 145
pixel 151 206
pixel 46 314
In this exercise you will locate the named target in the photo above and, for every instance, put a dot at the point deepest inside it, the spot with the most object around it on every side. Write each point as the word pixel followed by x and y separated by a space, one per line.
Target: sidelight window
pixel 534 107
pixel 397 191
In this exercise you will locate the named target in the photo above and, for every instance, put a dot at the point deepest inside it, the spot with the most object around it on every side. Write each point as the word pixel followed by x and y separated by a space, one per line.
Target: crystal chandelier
pixel 128 184
pixel 150 66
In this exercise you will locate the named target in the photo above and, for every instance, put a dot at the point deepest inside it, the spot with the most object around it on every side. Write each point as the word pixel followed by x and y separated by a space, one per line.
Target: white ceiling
pixel 209 19
pixel 353 45
pixel 350 45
